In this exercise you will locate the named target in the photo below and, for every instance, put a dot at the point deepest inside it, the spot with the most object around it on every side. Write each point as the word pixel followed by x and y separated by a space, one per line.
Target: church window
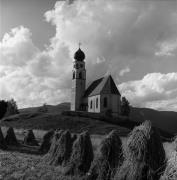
pixel 91 104
pixel 73 75
pixel 80 75
pixel 105 102
pixel 96 102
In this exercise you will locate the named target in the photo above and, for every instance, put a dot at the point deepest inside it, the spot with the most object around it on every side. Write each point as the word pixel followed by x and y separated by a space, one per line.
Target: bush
pixel 11 108
pixel 125 107
pixel 3 108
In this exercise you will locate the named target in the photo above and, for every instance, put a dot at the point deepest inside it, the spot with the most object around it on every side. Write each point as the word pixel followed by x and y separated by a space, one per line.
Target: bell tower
pixel 78 80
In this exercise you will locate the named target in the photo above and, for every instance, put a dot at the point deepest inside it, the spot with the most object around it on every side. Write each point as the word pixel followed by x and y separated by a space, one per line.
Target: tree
pixel 11 108
pixel 125 107
pixel 3 108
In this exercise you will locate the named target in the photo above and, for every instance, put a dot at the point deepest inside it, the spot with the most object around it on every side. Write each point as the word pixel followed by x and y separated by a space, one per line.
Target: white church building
pixel 101 96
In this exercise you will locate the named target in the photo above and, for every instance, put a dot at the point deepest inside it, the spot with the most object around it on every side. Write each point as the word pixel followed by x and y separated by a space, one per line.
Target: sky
pixel 133 40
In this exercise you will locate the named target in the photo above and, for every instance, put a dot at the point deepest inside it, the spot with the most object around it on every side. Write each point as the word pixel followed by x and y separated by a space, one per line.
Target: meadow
pixel 17 166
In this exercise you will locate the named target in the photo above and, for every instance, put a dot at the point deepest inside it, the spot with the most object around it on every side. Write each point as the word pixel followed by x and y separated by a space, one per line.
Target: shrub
pixel 11 108
pixel 3 108
pixel 125 107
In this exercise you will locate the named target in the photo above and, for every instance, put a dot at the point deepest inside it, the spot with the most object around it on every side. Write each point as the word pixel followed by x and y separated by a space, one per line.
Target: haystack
pixel 10 137
pixel 46 142
pixel 2 141
pixel 144 155
pixel 73 138
pixel 82 155
pixel 61 148
pixel 175 143
pixel 30 139
pixel 110 157
pixel 170 172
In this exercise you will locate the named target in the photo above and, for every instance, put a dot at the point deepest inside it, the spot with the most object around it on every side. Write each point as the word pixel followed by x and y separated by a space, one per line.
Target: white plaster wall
pixel 94 108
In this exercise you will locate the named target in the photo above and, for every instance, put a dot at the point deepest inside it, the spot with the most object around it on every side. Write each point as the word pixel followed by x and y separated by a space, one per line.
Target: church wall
pixel 113 103
pixel 95 104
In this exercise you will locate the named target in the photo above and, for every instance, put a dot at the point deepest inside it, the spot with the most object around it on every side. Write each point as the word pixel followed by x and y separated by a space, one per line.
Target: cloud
pixel 31 76
pixel 154 90
pixel 17 48
pixel 116 36
pixel 124 71
pixel 167 49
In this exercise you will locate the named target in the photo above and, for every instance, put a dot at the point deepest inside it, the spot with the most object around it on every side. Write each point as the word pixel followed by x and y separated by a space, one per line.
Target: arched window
pixel 74 75
pixel 91 104
pixel 80 75
pixel 105 102
pixel 96 102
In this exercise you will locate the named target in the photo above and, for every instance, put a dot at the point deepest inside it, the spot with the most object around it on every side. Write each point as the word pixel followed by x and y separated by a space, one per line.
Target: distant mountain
pixel 165 120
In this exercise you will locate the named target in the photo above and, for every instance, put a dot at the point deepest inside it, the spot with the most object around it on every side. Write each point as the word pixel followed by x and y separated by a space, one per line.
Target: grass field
pixel 20 166
pixel 15 165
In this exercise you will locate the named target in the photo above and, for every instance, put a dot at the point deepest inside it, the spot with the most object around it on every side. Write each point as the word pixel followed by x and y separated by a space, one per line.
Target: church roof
pixel 104 85
pixel 79 55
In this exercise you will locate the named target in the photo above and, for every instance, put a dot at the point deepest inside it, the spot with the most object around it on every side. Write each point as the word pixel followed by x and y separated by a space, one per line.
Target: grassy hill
pixel 33 118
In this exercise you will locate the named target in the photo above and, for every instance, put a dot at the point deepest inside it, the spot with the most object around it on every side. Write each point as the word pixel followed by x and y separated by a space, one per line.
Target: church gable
pixel 110 87
pixel 106 86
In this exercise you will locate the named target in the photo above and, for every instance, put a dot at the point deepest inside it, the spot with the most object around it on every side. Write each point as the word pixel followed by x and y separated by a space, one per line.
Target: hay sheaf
pixel 60 150
pixel 110 158
pixel 144 155
pixel 175 143
pixel 11 138
pixel 46 142
pixel 30 139
pixel 170 172
pixel 81 157
pixel 3 144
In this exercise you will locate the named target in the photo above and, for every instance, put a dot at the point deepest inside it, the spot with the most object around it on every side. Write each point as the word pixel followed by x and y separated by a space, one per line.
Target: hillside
pixel 166 120
pixel 32 118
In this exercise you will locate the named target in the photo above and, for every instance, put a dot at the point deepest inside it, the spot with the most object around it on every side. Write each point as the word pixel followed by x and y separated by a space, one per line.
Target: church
pixel 101 96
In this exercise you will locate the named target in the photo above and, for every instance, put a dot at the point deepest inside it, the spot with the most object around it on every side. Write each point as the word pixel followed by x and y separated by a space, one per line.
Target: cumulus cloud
pixel 31 76
pixel 116 36
pixel 17 48
pixel 154 90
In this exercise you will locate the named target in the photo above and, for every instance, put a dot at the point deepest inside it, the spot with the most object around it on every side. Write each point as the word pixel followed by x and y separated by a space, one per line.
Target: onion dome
pixel 79 55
